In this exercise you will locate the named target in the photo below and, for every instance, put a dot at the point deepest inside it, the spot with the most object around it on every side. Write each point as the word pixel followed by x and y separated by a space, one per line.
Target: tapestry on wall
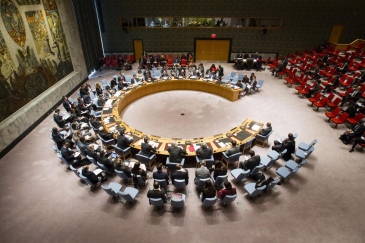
pixel 39 57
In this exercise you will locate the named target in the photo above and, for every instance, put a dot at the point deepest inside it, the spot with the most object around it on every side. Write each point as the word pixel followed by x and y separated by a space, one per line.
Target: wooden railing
pixel 355 43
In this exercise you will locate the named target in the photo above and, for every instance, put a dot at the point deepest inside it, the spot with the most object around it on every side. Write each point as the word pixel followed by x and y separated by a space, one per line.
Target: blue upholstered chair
pixel 239 174
pixel 285 173
pixel 178 202
pixel 171 166
pixel 148 161
pixel 228 199
pixel 124 153
pixel 209 202
pixel 106 143
pixel 112 189
pixel 209 162
pixel 220 180
pixel 252 190
pixel 262 140
pixel 231 159
pixel 129 194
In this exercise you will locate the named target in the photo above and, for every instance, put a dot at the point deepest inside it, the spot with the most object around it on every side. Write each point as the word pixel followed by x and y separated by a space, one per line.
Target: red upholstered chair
pixel 321 103
pixel 348 91
pixel 362 63
pixel 300 87
pixel 131 59
pixel 169 63
pixel 330 97
pixel 341 119
pixel 304 91
pixel 114 62
pixel 333 114
pixel 348 82
pixel 359 46
pixel 329 81
pixel 315 98
pixel 294 61
pixel 183 62
pixel 334 104
pixel 348 48
pixel 107 63
pixel 356 119
pixel 267 61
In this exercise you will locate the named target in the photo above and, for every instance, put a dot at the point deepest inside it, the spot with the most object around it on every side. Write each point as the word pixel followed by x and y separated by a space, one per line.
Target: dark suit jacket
pixel 67 154
pixel 289 145
pixel 176 153
pixel 106 162
pixel 358 130
pixel 92 154
pixel 157 194
pixel 123 142
pixel 204 153
pixel 66 104
pixel 125 169
pixel 58 138
pixel 252 162
pixel 265 131
pixel 180 175
pixel 146 149
pixel 91 176
pixel 233 150
pixel 59 120
pixel 219 172
pixel 104 135
pixel 161 175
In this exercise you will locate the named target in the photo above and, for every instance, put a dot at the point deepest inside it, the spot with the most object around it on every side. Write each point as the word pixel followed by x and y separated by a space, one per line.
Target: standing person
pixel 220 72
pixel 100 64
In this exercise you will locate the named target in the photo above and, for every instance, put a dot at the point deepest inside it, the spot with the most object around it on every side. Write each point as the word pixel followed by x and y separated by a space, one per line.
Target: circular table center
pixel 181 114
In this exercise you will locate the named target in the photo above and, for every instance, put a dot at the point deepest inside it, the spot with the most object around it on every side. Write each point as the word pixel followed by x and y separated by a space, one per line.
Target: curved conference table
pixel 112 121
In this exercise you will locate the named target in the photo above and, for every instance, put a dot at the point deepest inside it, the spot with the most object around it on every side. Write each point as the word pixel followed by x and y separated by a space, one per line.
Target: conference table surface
pixel 112 121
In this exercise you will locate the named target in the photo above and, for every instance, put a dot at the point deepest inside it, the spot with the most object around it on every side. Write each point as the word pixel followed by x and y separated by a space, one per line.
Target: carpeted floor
pixel 43 202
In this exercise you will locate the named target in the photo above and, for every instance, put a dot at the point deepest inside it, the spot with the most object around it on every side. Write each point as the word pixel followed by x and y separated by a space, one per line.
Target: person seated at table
pixel 176 60
pixel 122 166
pixel 100 101
pixel 157 192
pixel 234 148
pixel 140 75
pixel 134 80
pixel 266 130
pixel 227 190
pixel 200 70
pixel 213 68
pixel 209 191
pixel 94 178
pixel 182 73
pixel 288 144
pixel 245 79
pixel 159 174
pixel 104 159
pixel 60 121
pixel 202 172
pixel 250 163
pixel 148 77
pixel 164 75
pixel 219 169
pixel 176 153
pixel 84 89
pixel 192 71
pixel 123 142
pixel 208 74
pixel 204 152
pixel 91 152
pixel 245 56
pixel 146 148
pixel 104 134
pixel 180 174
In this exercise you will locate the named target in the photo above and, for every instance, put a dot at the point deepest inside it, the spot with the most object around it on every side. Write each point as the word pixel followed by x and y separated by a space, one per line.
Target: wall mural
pixel 40 59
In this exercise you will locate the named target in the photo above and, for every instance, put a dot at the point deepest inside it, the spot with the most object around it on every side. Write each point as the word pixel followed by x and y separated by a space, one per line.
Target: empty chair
pixel 248 145
pixel 267 162
pixel 179 183
pixel 148 161
pixel 272 184
pixel 291 165
pixel 305 147
pixel 230 159
pixel 356 119
pixel 208 202
pixel 228 199
pixel 233 73
pixel 227 79
pixel 220 180
pixel 240 76
pixel 333 114
pixel 262 140
pixel 157 74
pixel 112 189
pixel 252 190
pixel 340 120
pixel 129 194
pixel 259 84
pixel 178 202
pixel 285 173
pixel 124 153
pixel 234 80
pixel 63 160
pixel 76 171
pixel 274 155
pixel 239 174
pixel 303 154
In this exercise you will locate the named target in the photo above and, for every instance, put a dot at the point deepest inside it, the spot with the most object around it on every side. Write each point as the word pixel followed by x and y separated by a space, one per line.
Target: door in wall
pixel 137 48
pixel 336 33
pixel 212 49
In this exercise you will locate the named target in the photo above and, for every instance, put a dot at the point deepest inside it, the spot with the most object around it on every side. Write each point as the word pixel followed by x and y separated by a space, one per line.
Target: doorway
pixel 137 49
pixel 212 49
pixel 336 33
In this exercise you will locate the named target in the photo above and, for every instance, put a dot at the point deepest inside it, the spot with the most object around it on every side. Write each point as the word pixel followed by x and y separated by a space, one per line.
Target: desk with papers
pixel 112 121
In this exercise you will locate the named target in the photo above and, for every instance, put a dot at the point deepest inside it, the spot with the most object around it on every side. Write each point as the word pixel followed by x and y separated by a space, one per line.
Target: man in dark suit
pixel 204 152
pixel 250 163
pixel 353 96
pixel 91 152
pixel 94 122
pixel 234 149
pixel 95 179
pixel 159 174
pixel 156 192
pixel 104 160
pixel 288 144
pixel 69 155
pixel 181 174
pixel 356 131
pixel 146 148
pixel 266 130
pixel 176 153
pixel 123 142
pixel 66 104
pixel 104 134
pixel 57 117
pixel 60 139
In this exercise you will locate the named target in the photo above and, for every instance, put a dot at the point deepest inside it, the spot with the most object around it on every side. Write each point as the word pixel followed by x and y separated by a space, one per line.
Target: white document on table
pixel 255 127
